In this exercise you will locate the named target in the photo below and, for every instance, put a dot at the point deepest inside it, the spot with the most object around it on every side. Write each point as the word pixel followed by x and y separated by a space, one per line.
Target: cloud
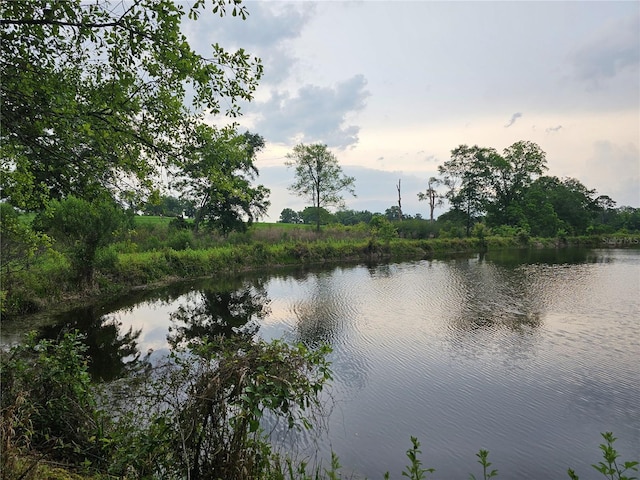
pixel 514 117
pixel 314 114
pixel 611 51
pixel 553 129
pixel 266 33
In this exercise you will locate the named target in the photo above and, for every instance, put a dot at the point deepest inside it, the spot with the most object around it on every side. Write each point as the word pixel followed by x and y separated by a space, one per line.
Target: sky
pixel 391 87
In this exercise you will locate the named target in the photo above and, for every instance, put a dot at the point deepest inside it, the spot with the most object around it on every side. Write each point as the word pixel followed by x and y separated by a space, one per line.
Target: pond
pixel 528 354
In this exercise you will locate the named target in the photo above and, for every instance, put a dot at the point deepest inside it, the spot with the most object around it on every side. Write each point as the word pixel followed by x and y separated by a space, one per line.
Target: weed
pixel 610 468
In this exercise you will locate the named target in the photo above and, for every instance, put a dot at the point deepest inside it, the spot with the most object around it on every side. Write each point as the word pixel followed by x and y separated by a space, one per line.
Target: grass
pixel 157 251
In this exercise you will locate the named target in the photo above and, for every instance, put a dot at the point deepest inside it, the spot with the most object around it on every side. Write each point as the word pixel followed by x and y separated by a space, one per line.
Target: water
pixel 529 355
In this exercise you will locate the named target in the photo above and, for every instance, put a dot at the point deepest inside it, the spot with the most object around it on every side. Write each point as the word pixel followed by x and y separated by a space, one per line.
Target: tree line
pixel 507 192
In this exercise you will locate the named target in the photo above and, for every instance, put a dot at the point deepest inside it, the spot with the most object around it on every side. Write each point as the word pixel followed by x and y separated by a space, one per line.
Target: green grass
pixel 151 220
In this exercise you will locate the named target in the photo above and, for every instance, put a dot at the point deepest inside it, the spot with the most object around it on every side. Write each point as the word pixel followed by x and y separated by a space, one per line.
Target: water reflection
pixel 319 318
pixel 529 354
pixel 113 352
pixel 209 313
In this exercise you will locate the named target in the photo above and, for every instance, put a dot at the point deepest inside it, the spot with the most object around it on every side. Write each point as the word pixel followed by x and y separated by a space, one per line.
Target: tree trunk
pixel 399 201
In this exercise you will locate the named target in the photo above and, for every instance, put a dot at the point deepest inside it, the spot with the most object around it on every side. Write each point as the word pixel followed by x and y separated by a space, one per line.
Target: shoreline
pixel 132 272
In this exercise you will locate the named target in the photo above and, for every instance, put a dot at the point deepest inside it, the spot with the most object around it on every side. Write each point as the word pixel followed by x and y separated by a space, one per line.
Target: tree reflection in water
pixel 113 353
pixel 210 313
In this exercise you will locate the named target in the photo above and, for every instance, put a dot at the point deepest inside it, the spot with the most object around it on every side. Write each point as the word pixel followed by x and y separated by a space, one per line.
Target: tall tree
pixel 318 177
pixel 217 175
pixel 432 196
pixel 481 181
pixel 466 175
pixel 95 93
pixel 512 174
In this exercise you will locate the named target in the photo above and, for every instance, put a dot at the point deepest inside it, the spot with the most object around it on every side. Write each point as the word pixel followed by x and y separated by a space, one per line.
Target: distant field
pixel 149 220
pixel 284 226
pixel 154 220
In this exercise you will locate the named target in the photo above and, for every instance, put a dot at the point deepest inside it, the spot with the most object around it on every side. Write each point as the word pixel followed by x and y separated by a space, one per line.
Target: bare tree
pixel 434 198
pixel 399 201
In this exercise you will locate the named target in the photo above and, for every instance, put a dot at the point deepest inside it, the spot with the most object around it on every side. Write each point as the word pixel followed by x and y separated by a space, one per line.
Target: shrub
pixel 82 227
pixel 48 404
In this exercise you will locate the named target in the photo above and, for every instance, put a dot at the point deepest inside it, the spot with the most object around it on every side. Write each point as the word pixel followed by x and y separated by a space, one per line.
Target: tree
pixel 512 173
pixel 318 177
pixel 481 181
pixel 605 205
pixel 393 213
pixel 352 217
pixel 94 94
pixel 165 205
pixel 82 227
pixel 432 195
pixel 216 175
pixel 466 175
pixel 289 215
pixel 311 216
pixel 18 244
pixel 552 206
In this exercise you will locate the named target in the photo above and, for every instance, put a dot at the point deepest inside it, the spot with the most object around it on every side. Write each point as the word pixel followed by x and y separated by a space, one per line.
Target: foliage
pixel 465 175
pixel 508 190
pixel 415 228
pixel 289 215
pixel 483 456
pixel 82 227
pixel 197 416
pixel 382 228
pixel 552 205
pixel 610 468
pixel 481 181
pixel 316 216
pixel 394 213
pixel 318 176
pixel 95 93
pixel 216 176
pixel 48 403
pixel 209 403
pixel 165 205
pixel 352 217
pixel 18 244
pixel 414 470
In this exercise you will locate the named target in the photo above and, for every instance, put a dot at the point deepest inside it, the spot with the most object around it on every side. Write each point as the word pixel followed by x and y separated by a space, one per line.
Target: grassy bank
pixel 159 250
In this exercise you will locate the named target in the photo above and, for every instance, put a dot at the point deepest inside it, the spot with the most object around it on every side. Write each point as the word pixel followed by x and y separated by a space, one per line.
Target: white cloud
pixel 314 114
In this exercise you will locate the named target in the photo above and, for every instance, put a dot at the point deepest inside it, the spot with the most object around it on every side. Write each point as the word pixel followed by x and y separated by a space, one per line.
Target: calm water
pixel 526 354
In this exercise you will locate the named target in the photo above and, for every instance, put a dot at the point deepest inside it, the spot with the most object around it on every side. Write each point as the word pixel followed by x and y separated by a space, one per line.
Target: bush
pixel 48 404
pixel 81 227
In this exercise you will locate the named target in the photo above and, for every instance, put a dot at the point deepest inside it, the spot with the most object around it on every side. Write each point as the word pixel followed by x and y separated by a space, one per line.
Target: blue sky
pixel 392 87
